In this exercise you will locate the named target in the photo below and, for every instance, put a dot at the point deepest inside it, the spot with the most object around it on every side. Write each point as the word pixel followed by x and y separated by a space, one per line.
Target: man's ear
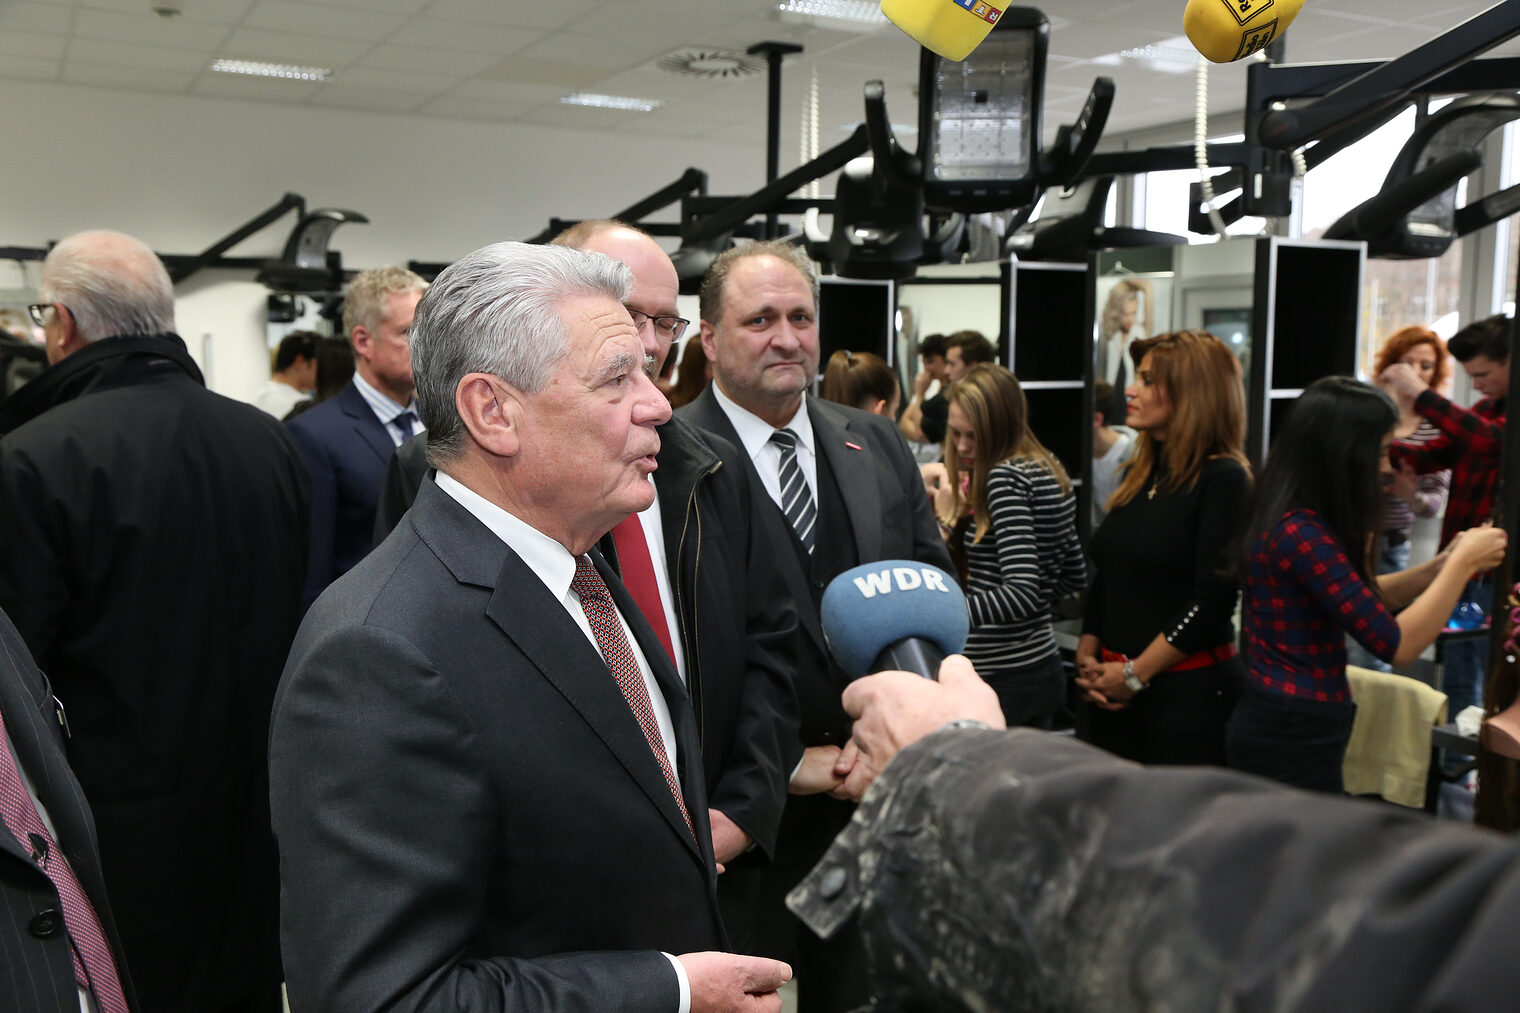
pixel 492 411
pixel 361 340
pixel 710 341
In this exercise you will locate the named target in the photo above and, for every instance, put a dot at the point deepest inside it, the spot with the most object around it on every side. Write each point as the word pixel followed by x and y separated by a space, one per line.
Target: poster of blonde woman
pixel 1130 308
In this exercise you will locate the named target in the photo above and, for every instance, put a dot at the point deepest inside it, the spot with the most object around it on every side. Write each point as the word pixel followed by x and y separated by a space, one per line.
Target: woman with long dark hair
pixel 1310 578
pixel 1009 517
pixel 1157 654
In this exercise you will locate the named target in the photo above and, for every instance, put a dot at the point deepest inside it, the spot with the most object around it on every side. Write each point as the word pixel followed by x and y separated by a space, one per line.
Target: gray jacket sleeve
pixel 1024 871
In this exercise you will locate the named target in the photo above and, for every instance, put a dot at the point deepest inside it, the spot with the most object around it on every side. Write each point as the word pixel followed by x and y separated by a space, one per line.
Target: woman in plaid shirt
pixel 1318 496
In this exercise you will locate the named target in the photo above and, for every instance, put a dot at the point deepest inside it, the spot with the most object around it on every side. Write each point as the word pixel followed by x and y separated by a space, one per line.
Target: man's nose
pixel 652 406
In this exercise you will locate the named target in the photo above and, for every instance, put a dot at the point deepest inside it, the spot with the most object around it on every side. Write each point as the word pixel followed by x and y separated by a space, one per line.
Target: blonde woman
pixel 1009 515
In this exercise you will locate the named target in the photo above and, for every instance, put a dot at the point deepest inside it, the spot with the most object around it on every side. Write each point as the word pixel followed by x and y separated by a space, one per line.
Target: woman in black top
pixel 1157 659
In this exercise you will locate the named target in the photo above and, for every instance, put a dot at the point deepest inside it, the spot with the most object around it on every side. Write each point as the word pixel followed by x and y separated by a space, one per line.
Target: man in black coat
pixel 730 617
pixel 36 942
pixel 864 502
pixel 152 546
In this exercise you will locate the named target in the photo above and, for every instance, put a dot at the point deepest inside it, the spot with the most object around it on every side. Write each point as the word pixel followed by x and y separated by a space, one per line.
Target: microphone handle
pixel 913 654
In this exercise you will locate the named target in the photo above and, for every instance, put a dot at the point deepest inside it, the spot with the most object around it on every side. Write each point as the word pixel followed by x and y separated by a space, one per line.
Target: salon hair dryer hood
pixel 896 613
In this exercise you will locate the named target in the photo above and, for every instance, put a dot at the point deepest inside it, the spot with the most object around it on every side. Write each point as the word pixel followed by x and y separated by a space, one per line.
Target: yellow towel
pixel 1389 752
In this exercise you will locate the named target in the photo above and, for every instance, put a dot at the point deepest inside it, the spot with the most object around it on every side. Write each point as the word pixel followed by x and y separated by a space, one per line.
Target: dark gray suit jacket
pixel 468 814
pixel 890 517
pixel 36 966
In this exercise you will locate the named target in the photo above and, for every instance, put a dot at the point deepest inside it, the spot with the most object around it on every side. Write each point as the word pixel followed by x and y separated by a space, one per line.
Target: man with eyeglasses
pixel 154 543
pixel 716 594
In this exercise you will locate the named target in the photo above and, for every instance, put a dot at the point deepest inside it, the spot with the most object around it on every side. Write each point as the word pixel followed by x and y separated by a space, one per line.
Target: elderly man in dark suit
pixel 486 782
pixel 846 491
pixel 154 542
pixel 348 440
pixel 52 892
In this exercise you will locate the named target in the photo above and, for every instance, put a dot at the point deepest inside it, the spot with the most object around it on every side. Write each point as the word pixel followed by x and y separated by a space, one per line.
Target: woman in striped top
pixel 1306 585
pixel 1009 515
pixel 1406 495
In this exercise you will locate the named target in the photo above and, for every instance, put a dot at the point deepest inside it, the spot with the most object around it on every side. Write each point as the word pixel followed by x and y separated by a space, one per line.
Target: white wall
pixel 182 171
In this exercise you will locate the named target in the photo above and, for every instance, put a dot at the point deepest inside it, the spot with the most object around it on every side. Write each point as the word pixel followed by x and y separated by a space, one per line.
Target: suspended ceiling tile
pixel 472 36
pixel 32 45
pixel 264 89
pixel 517 13
pixel 30 68
pixel 581 117
pixel 612 53
pixel 288 47
pixel 426 60
pixel 148 29
pixel 474 109
pixel 387 6
pixel 564 73
pixel 367 98
pixel 130 78
pixel 221 12
pixel 52 19
pixel 325 20
pixel 125 54
pixel 399 81
pixel 520 93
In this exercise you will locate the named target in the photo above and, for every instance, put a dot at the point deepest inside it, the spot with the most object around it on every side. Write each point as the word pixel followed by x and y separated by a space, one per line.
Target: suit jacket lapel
pixel 528 615
pixel 369 428
pixel 30 723
pixel 708 414
pixel 849 458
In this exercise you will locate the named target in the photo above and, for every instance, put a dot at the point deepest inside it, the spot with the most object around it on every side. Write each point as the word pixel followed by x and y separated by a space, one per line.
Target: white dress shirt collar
pixel 550 560
pixel 754 432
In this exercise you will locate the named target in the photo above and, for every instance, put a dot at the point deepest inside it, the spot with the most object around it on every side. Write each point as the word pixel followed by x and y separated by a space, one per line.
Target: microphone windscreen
pixel 951 28
pixel 870 608
pixel 1229 30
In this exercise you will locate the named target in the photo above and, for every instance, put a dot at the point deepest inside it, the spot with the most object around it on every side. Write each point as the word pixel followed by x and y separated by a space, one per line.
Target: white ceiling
pixel 511 60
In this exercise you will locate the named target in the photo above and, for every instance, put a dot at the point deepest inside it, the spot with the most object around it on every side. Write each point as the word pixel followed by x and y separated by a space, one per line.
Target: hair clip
pixel 847 356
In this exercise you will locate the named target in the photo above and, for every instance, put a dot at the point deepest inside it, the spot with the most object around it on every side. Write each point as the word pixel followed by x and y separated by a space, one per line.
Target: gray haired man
pixel 485 774
pixel 154 544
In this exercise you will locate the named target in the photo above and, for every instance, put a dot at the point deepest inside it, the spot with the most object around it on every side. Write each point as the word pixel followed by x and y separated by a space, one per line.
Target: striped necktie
pixel 796 497
pixel 601 613
pixel 94 964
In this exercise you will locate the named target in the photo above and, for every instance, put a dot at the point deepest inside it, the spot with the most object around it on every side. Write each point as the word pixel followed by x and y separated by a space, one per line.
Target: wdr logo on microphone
pixel 905 578
pixel 1247 10
pixel 981 9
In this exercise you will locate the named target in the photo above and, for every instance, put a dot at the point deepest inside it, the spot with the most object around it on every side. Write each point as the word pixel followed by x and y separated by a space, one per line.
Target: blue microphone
pixel 896 614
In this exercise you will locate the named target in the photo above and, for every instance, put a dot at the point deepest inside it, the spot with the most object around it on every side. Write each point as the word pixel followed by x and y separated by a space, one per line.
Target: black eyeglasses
pixel 38 312
pixel 667 329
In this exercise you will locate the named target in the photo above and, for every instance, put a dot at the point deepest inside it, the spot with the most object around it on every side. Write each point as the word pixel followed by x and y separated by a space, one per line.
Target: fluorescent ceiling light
pixel 864 11
pixel 642 105
pixel 258 68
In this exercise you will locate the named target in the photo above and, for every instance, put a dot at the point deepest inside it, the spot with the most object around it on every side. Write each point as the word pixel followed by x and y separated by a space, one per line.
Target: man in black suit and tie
pixel 348 440
pixel 485 776
pixel 59 949
pixel 730 622
pixel 846 491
